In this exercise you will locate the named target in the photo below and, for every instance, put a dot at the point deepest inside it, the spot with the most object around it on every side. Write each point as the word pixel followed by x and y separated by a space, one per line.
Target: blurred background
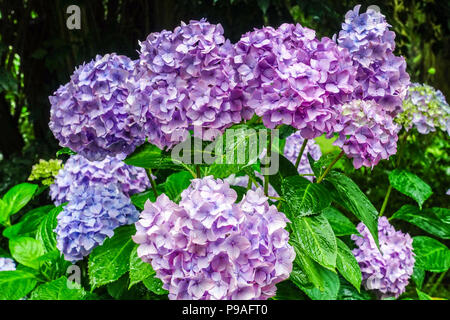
pixel 38 53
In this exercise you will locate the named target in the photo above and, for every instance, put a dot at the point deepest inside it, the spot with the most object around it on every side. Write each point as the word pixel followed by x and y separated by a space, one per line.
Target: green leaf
pixel 347 265
pixel 18 196
pixel 45 233
pixel 287 290
pixel 3 211
pixel 354 200
pixel 139 199
pixel 110 261
pixel 418 276
pixel 59 289
pixel 303 197
pixel 26 251
pixel 150 156
pixel 431 255
pixel 176 183
pixel 286 169
pixel 65 150
pixel 424 219
pixel 155 285
pixel 241 191
pixel 442 214
pixel 305 270
pixel 139 270
pixel 16 284
pixel 341 225
pixel 263 5
pixel 316 238
pixel 331 286
pixel 423 295
pixel 319 166
pixel 28 224
pixel 348 292
pixel 410 185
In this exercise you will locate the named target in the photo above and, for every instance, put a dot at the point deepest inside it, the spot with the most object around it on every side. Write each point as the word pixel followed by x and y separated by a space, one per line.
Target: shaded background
pixel 38 54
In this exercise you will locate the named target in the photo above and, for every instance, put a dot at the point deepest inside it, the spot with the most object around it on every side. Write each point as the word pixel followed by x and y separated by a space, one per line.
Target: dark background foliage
pixel 38 54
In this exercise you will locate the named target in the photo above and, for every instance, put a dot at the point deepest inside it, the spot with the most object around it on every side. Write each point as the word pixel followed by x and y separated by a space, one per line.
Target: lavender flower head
pixel 78 171
pixel 289 77
pixel 183 80
pixel 209 247
pixel 292 149
pixel 7 264
pixel 387 272
pixel 381 75
pixel 90 115
pixel 90 217
pixel 426 109
pixel 367 133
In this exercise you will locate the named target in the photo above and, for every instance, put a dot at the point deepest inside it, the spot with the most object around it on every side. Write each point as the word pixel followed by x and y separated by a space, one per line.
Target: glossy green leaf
pixel 424 219
pixel 16 284
pixel 28 224
pixel 341 225
pixel 139 199
pixel 303 197
pixel 410 185
pixel 347 265
pixel 315 236
pixel 176 183
pixel 18 196
pixel 139 270
pixel 442 214
pixel 45 233
pixel 418 276
pixel 26 251
pixel 331 286
pixel 348 292
pixel 354 200
pixel 286 169
pixel 110 261
pixel 151 157
pixel 287 290
pixel 423 295
pixel 59 289
pixel 155 285
pixel 431 255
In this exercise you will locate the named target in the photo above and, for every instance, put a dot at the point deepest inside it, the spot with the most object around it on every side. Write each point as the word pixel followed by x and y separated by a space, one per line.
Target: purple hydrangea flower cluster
pixel 209 247
pixel 7 264
pixel 90 114
pixel 90 217
pixel 426 109
pixel 292 149
pixel 78 171
pixel 289 77
pixel 387 271
pixel 367 133
pixel 183 80
pixel 381 75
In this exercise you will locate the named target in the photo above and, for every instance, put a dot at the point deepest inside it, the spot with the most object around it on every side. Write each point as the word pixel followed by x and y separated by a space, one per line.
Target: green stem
pixel 249 184
pixel 198 172
pixel 438 282
pixel 330 166
pixel 152 182
pixel 385 202
pixel 300 154
pixel 268 154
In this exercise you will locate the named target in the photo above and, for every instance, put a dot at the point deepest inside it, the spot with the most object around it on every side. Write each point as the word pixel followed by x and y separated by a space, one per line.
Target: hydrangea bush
pixel 140 223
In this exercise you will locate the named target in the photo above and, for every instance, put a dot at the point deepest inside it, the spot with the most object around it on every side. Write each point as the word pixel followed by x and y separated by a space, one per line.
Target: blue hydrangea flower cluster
pixel 387 272
pixel 381 76
pixel 90 115
pixel 90 217
pixel 78 171
pixel 209 247
pixel 7 264
pixel 425 109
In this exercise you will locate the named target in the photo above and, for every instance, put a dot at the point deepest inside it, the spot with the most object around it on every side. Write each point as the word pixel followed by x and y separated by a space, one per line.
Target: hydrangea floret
pixel 45 171
pixel 7 264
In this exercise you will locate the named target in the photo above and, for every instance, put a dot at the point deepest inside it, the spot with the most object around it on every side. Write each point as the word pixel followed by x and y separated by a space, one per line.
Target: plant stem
pixel 386 198
pixel 330 166
pixel 152 182
pixel 197 170
pixel 438 282
pixel 300 154
pixel 268 154
pixel 249 183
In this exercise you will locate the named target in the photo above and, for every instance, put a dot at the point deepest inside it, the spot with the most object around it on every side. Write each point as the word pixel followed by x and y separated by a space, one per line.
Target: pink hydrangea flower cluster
pixel 381 75
pixel 183 80
pixel 367 133
pixel 209 247
pixel 289 77
pixel 388 271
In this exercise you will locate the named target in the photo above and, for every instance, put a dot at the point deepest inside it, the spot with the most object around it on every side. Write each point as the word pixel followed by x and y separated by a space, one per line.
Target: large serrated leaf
pixel 176 183
pixel 424 219
pixel 45 233
pixel 354 200
pixel 18 196
pixel 410 185
pixel 28 224
pixel 139 270
pixel 431 255
pixel 315 236
pixel 347 265
pixel 150 156
pixel 59 289
pixel 304 197
pixel 341 225
pixel 16 284
pixel 110 261
pixel 286 169
pixel 26 251
pixel 331 286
